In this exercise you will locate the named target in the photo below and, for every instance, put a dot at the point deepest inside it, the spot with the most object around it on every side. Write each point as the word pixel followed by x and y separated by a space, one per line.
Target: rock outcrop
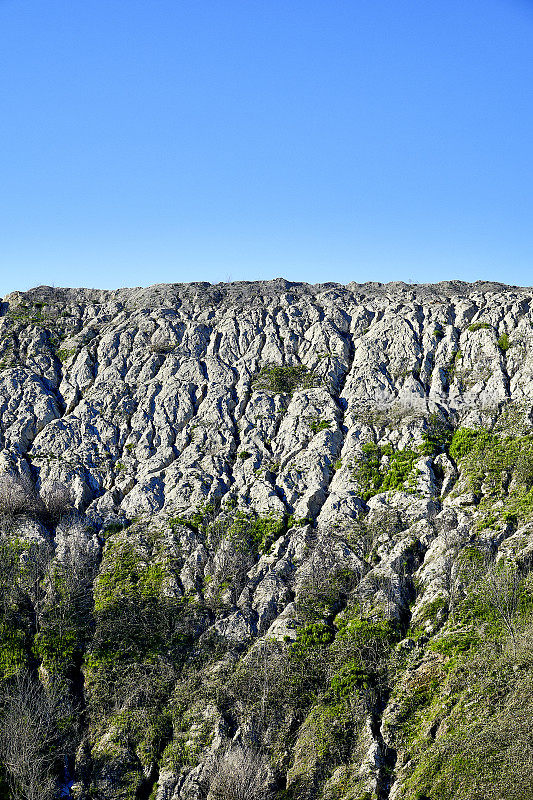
pixel 312 423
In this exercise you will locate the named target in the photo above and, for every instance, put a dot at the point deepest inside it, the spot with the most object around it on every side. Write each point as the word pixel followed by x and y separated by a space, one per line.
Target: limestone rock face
pixel 143 400
pixel 271 399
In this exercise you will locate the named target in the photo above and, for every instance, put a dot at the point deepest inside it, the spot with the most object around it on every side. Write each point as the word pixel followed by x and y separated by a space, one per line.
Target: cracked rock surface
pixel 152 405
pixel 143 400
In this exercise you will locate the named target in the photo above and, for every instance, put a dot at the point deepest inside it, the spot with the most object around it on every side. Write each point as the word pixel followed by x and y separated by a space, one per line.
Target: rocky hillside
pixel 267 540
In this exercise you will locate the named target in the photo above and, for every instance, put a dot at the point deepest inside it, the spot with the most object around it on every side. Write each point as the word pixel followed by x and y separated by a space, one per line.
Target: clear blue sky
pixel 147 141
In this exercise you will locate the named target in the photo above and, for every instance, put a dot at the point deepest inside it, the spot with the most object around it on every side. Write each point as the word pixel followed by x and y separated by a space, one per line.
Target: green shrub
pixel 476 326
pixel 64 355
pixel 313 635
pixel 111 528
pixel 136 623
pixel 431 610
pixel 437 436
pixel 297 522
pixel 483 750
pixel 284 380
pixel 373 478
pixel 399 469
pixel 320 425
pixel 255 531
pixel 367 472
pixel 13 649
pixel 197 520
pixel 57 645
pixel 350 678
pixel 369 635
pixel 126 576
pixel 503 343
pixel 456 642
pixel 463 441
pixel 495 466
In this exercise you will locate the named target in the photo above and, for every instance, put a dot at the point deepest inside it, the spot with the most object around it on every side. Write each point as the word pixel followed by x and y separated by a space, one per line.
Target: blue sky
pixel 148 141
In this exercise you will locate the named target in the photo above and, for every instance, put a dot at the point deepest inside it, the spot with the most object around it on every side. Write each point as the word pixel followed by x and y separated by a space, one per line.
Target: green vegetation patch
pixel 463 442
pixel 136 625
pixel 64 354
pixel 320 425
pixel 384 467
pixel 498 464
pixel 481 715
pixel 284 380
pixel 373 476
pixel 503 343
pixel 496 468
pixel 21 573
pixel 261 531
pixel 13 649
pixel 196 521
pixel 477 326
pixel 437 436
pixel 126 576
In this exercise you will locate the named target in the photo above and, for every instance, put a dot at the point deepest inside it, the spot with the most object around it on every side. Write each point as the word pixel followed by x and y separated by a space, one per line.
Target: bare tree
pixel 57 499
pixel 501 590
pixel 33 564
pixel 449 580
pixel 30 743
pixel 360 537
pixel 232 544
pixel 383 590
pixel 66 610
pixel 323 579
pixel 18 496
pixel 9 569
pixel 239 774
pixel 22 591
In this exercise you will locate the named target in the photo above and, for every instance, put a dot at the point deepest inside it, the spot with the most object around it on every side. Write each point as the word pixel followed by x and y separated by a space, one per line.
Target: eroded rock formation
pixel 281 480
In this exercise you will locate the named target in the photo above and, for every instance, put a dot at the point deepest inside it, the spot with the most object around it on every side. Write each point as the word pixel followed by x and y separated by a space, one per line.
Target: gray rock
pixel 149 411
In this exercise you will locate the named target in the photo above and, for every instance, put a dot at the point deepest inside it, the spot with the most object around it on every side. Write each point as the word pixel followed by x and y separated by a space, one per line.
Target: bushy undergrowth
pixel 384 468
pixel 464 718
pixel 284 380
pixel 496 468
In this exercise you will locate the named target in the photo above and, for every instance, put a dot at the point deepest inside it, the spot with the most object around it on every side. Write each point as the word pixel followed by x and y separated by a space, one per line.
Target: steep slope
pixel 270 533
